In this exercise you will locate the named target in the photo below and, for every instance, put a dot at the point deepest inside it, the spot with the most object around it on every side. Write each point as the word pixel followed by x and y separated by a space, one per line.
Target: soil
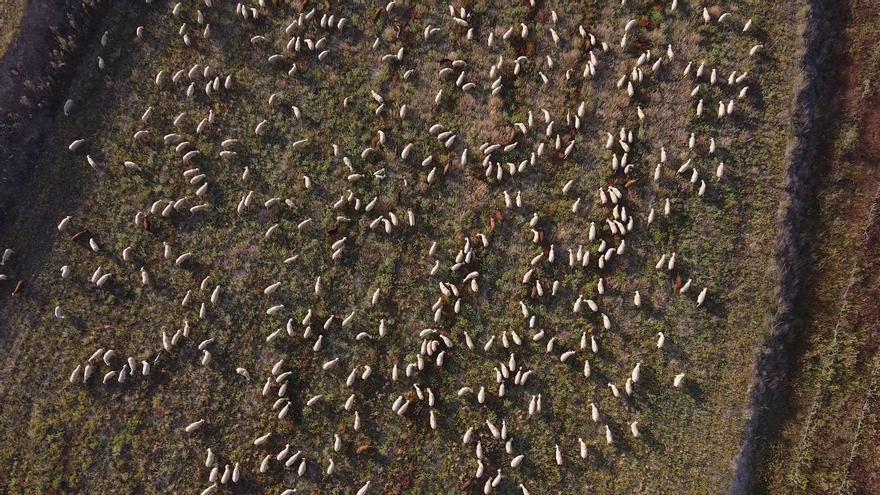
pixel 825 106
pixel 30 89
pixel 810 121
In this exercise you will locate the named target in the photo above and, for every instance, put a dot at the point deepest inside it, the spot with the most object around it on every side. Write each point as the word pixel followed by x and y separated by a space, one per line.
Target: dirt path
pixel 33 73
pixel 29 53
pixel 825 21
pixel 11 14
pixel 29 73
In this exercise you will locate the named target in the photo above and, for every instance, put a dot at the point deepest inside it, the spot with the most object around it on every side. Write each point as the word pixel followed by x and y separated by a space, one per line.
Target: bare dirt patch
pixel 823 437
pixel 11 13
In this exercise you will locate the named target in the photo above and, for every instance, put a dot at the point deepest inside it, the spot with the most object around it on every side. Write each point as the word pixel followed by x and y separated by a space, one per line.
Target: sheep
pixel 87 373
pixel 516 461
pixel 684 288
pixel 636 372
pixel 195 425
pixel 76 144
pixel 614 391
pixel 75 374
pixel 634 429
pixel 261 440
pixel 678 380
pixel 102 280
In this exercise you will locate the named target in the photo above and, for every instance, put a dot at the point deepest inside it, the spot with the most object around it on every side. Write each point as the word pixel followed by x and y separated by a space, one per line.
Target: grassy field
pixel 59 437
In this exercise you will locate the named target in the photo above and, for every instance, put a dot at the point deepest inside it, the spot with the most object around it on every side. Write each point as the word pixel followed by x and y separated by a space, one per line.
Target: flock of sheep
pixel 544 138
